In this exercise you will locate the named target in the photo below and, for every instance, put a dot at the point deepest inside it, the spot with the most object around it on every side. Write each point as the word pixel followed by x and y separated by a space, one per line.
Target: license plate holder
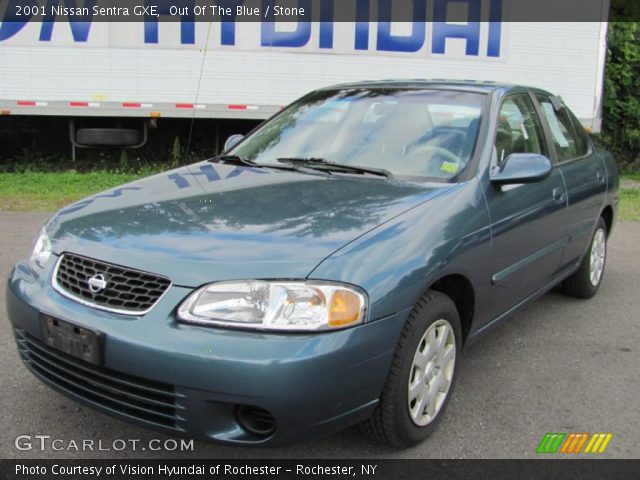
pixel 74 340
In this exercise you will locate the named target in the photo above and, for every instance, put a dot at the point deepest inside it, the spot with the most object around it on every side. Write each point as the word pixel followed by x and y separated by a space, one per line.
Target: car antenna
pixel 195 105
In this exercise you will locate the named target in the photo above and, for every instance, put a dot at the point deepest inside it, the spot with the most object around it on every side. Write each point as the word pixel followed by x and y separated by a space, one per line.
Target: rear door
pixel 583 171
pixel 528 221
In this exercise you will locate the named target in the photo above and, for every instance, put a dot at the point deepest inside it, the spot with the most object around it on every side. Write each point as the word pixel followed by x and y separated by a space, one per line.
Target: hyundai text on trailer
pixel 326 270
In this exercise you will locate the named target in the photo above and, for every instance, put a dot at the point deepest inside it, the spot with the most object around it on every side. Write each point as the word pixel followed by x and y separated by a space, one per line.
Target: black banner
pixel 328 11
pixel 320 469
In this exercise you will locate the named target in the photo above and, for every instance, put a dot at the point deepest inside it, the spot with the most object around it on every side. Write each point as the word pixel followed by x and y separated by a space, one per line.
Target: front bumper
pixel 191 380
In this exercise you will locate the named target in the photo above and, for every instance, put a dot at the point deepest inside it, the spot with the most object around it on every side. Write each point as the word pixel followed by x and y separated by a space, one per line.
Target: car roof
pixel 474 86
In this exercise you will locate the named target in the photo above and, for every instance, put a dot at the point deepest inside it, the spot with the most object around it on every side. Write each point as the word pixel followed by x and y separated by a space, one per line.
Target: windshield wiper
pixel 234 160
pixel 238 160
pixel 322 164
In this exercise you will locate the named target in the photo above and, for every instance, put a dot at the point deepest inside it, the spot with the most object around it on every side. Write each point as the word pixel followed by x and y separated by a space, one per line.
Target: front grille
pixel 124 290
pixel 134 397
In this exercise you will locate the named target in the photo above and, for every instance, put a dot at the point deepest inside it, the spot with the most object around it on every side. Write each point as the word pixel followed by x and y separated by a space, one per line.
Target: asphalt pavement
pixel 559 365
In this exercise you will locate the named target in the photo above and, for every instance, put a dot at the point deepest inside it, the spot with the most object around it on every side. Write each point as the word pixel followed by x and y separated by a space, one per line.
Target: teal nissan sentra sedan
pixel 326 270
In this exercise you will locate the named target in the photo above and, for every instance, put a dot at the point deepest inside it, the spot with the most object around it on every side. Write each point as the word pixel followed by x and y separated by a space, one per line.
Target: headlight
pixel 263 305
pixel 41 251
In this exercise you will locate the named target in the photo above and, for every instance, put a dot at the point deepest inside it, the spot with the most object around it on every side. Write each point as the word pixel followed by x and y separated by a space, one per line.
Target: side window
pixel 567 133
pixel 519 128
pixel 581 133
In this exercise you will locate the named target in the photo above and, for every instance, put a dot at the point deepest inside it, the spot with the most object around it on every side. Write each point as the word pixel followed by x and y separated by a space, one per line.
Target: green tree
pixel 621 108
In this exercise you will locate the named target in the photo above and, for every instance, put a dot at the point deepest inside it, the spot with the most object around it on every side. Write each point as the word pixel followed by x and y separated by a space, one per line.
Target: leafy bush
pixel 621 112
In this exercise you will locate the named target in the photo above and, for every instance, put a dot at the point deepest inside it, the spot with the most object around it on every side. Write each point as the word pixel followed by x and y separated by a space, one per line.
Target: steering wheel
pixel 426 153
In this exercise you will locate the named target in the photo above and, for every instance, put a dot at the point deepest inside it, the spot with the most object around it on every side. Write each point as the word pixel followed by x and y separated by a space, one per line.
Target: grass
pixel 24 192
pixel 630 203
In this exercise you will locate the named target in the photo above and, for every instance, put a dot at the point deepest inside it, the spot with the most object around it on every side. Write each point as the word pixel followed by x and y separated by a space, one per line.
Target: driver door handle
pixel 558 195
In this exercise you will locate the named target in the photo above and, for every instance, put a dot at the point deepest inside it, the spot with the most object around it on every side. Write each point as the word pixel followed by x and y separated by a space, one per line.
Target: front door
pixel 528 221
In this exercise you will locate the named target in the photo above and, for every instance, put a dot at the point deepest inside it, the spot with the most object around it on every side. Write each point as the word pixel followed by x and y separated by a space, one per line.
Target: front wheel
pixel 585 282
pixel 422 375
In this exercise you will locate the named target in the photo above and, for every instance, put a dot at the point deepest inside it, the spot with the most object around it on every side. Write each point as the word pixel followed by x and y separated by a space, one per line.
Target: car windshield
pixel 410 133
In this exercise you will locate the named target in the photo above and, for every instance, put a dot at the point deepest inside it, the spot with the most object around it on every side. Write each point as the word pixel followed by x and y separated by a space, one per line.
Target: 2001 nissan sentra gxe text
pixel 326 270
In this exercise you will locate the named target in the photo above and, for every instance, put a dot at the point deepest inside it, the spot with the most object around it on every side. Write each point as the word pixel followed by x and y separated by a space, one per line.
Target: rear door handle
pixel 558 195
pixel 600 177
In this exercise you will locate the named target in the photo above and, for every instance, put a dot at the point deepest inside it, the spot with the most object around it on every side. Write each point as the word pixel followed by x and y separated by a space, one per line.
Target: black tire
pixel 579 284
pixel 391 422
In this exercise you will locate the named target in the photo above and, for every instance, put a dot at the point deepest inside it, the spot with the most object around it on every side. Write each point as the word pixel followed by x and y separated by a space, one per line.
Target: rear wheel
pixel 422 374
pixel 585 282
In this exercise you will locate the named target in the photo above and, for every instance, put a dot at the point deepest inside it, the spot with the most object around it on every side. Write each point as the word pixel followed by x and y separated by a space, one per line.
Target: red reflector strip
pixel 190 106
pixel 242 107
pixel 83 104
pixel 137 105
pixel 30 103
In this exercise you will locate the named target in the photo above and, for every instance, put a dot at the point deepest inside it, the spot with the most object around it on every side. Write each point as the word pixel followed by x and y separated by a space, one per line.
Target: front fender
pixel 398 261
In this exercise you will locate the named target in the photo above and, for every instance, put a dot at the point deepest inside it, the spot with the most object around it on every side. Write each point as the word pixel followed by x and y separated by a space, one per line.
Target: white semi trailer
pixel 250 70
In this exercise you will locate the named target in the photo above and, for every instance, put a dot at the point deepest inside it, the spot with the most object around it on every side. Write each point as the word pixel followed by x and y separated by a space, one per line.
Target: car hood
pixel 210 222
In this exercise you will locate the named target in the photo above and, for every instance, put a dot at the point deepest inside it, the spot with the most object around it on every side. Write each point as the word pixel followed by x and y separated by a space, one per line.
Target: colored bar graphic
pixel 551 442
pixel 598 443
pixel 573 443
pixel 568 443
pixel 585 436
pixel 605 444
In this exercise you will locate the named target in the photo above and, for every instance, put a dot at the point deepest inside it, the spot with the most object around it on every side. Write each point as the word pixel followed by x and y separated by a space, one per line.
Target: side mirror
pixel 232 141
pixel 521 168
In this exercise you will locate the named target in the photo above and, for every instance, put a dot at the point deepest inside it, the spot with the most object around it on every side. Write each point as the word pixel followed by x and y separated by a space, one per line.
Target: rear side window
pixel 568 135
pixel 581 133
